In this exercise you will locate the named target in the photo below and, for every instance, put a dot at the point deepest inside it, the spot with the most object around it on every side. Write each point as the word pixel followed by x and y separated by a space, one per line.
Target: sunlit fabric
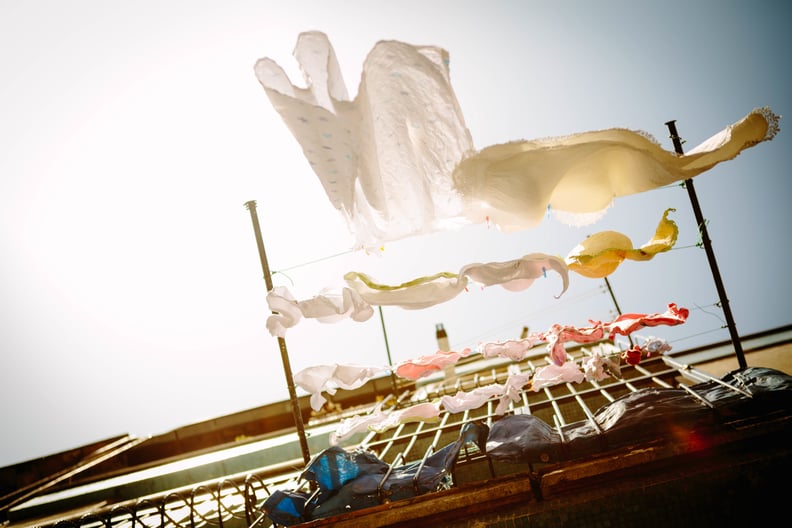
pixel 603 361
pixel 599 362
pixel 473 399
pixel 385 157
pixel 356 300
pixel 560 334
pixel 655 345
pixel 398 159
pixel 506 393
pixel 329 378
pixel 514 349
pixel 553 374
pixel 513 184
pixel 511 390
pixel 380 421
pixel 600 254
pixel 415 294
pixel 327 307
pixel 513 275
pixel 414 369
pixel 519 274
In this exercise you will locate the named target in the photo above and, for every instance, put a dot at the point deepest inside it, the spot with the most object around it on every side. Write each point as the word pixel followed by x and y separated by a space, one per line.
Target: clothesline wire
pixel 698 245
pixel 315 261
pixel 472 342
pixel 691 336
pixel 713 314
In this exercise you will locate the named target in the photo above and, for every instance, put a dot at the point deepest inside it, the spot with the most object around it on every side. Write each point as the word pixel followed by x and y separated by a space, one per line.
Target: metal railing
pixel 237 502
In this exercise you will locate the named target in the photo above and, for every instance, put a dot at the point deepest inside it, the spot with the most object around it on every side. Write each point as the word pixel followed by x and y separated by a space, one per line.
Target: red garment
pixel 626 324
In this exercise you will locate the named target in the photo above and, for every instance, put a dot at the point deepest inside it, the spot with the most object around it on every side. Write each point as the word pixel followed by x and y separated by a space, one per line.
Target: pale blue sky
pixel 132 133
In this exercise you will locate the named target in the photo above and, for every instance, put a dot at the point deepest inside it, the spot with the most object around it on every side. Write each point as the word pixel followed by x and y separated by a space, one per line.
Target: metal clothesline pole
pixel 387 351
pixel 295 403
pixel 702 225
pixel 618 310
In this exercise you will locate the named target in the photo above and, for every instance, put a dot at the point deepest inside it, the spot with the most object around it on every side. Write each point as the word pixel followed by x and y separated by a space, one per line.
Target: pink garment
pixel 514 349
pixel 519 274
pixel 602 363
pixel 413 369
pixel 558 335
pixel 512 388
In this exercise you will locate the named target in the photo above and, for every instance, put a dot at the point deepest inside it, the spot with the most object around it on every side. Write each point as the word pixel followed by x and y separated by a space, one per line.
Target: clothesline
pixel 595 257
pixel 397 160
pixel 600 362
pixel 328 378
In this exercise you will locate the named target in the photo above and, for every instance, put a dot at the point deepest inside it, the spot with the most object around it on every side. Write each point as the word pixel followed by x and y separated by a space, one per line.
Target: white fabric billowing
pixel 330 378
pixel 465 401
pixel 327 307
pixel 384 158
pixel 398 160
pixel 380 421
pixel 553 374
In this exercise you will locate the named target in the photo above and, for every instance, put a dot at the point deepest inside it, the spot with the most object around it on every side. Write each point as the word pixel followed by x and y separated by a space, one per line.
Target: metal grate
pixel 236 503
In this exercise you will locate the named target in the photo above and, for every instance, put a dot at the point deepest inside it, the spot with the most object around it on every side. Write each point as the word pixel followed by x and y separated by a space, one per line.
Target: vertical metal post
pixel 702 225
pixel 618 310
pixel 387 351
pixel 295 403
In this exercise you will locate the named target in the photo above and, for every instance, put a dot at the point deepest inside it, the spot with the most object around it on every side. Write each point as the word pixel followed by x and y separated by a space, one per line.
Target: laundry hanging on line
pixel 398 160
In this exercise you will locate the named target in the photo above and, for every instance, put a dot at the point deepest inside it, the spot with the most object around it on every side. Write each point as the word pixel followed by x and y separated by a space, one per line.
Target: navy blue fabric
pixel 349 481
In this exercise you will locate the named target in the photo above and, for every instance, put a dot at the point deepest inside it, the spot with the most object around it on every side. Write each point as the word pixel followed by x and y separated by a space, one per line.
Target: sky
pixel 133 133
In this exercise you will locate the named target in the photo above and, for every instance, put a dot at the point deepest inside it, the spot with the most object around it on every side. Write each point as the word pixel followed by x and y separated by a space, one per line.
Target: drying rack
pixel 236 501
pixel 706 242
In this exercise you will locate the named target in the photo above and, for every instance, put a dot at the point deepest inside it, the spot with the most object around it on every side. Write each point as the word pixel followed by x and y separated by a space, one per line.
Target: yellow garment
pixel 600 254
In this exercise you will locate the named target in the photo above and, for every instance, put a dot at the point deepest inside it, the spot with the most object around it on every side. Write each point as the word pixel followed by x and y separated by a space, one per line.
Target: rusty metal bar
pixel 428 453
pixel 396 460
pixel 705 239
pixel 295 403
